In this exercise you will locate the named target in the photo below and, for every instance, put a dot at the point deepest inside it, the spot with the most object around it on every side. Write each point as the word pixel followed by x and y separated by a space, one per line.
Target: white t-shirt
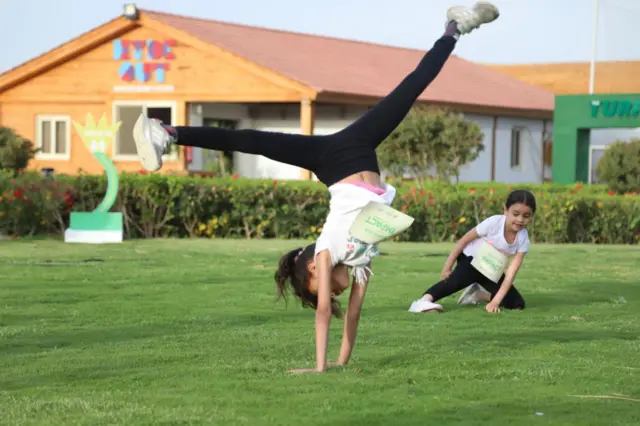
pixel 346 202
pixel 491 230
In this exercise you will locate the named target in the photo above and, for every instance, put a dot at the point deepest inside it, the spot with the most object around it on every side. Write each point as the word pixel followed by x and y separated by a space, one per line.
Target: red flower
pixel 413 190
pixel 491 191
pixel 579 187
pixel 275 181
pixel 405 196
pixel 17 193
pixel 471 190
pixel 611 193
pixel 234 176
pixel 422 192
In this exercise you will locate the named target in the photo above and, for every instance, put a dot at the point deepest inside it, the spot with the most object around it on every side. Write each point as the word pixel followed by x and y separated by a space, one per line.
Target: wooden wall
pixel 87 84
pixel 573 78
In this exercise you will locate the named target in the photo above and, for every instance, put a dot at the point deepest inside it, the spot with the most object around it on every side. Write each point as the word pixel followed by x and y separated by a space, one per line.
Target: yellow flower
pixel 600 204
pixel 462 220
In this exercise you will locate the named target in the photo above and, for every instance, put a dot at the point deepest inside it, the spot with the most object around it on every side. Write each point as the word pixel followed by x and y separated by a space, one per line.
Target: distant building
pixel 190 71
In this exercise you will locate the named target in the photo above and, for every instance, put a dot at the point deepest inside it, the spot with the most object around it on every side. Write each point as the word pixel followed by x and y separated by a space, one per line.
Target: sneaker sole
pixel 467 292
pixel 146 151
pixel 487 5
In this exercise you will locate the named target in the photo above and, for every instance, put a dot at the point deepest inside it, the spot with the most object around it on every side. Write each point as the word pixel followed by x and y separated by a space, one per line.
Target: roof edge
pixel 308 91
pixel 66 51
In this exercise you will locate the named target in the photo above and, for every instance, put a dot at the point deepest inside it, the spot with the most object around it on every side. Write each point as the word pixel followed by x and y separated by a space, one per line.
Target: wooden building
pixel 189 71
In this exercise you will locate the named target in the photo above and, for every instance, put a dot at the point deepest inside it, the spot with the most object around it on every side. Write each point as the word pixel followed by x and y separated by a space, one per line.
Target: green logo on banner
pixel 615 108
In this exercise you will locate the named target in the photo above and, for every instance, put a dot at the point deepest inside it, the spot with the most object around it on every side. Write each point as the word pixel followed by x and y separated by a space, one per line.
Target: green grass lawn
pixel 188 332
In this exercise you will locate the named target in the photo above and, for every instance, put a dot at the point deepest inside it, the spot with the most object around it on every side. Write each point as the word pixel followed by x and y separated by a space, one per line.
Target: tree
pixel 431 141
pixel 15 151
pixel 619 167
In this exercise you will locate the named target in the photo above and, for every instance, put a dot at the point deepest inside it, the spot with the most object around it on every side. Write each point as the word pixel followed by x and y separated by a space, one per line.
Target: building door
pixel 219 162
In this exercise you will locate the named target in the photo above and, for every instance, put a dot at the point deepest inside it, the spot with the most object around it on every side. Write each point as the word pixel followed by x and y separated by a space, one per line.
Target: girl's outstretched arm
pixel 352 319
pixel 460 245
pixel 323 312
pixel 509 276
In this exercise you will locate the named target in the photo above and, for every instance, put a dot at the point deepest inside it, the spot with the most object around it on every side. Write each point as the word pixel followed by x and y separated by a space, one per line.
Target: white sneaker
pixel 473 295
pixel 470 18
pixel 422 305
pixel 152 141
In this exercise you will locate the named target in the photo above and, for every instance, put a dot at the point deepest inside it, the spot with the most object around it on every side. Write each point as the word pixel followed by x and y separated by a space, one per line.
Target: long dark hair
pixel 292 268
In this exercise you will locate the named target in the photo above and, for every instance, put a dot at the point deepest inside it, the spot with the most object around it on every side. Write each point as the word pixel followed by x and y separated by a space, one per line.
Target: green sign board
pixel 573 118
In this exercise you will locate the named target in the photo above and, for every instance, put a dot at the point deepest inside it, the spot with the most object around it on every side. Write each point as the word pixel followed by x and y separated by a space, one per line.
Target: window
pixel 595 155
pixel 516 146
pixel 124 146
pixel 53 138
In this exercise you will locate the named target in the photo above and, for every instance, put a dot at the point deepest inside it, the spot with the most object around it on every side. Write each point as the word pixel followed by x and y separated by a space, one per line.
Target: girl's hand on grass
pixel 315 370
pixel 305 370
pixel 491 307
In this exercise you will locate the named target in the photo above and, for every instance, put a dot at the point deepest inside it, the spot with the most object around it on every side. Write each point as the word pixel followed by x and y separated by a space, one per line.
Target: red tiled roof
pixel 357 68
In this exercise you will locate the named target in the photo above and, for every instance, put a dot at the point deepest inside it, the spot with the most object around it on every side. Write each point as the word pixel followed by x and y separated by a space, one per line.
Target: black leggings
pixel 464 275
pixel 336 156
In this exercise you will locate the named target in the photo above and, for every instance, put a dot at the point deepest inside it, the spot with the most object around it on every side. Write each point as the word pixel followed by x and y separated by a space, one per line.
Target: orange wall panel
pixel 193 74
pixel 22 118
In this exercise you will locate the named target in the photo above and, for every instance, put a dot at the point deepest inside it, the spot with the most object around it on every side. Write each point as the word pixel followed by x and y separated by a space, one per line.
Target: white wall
pixel 480 169
pixel 332 118
pixel 530 169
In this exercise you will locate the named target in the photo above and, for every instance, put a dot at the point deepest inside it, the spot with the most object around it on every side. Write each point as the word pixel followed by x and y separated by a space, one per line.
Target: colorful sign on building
pixel 143 61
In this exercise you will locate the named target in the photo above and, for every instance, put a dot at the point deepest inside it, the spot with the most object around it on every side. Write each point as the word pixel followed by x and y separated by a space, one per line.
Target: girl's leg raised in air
pixel 153 140
pixel 386 115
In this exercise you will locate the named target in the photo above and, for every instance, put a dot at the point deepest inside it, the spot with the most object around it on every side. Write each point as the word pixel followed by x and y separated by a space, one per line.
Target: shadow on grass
pixel 216 323
pixel 528 338
pixel 546 410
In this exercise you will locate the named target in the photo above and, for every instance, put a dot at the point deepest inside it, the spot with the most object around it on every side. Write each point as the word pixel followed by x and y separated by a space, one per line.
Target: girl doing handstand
pixel 346 163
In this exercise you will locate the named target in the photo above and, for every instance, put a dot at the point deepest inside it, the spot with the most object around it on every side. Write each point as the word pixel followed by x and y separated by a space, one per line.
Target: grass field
pixel 187 332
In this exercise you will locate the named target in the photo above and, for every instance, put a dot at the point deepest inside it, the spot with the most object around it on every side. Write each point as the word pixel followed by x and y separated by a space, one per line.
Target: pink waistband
pixel 371 188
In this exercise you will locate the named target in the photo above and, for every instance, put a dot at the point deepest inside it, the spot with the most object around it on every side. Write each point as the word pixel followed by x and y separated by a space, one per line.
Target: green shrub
pixel 169 206
pixel 15 151
pixel 619 167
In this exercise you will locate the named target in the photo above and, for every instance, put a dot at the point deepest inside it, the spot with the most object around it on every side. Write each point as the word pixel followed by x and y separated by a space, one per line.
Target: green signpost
pixel 99 226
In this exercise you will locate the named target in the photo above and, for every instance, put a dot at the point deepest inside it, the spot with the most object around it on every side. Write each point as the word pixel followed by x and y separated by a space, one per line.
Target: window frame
pixel 519 130
pixel 172 105
pixel 41 118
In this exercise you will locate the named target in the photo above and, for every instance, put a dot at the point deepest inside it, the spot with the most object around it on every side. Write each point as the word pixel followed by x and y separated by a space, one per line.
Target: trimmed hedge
pixel 170 206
